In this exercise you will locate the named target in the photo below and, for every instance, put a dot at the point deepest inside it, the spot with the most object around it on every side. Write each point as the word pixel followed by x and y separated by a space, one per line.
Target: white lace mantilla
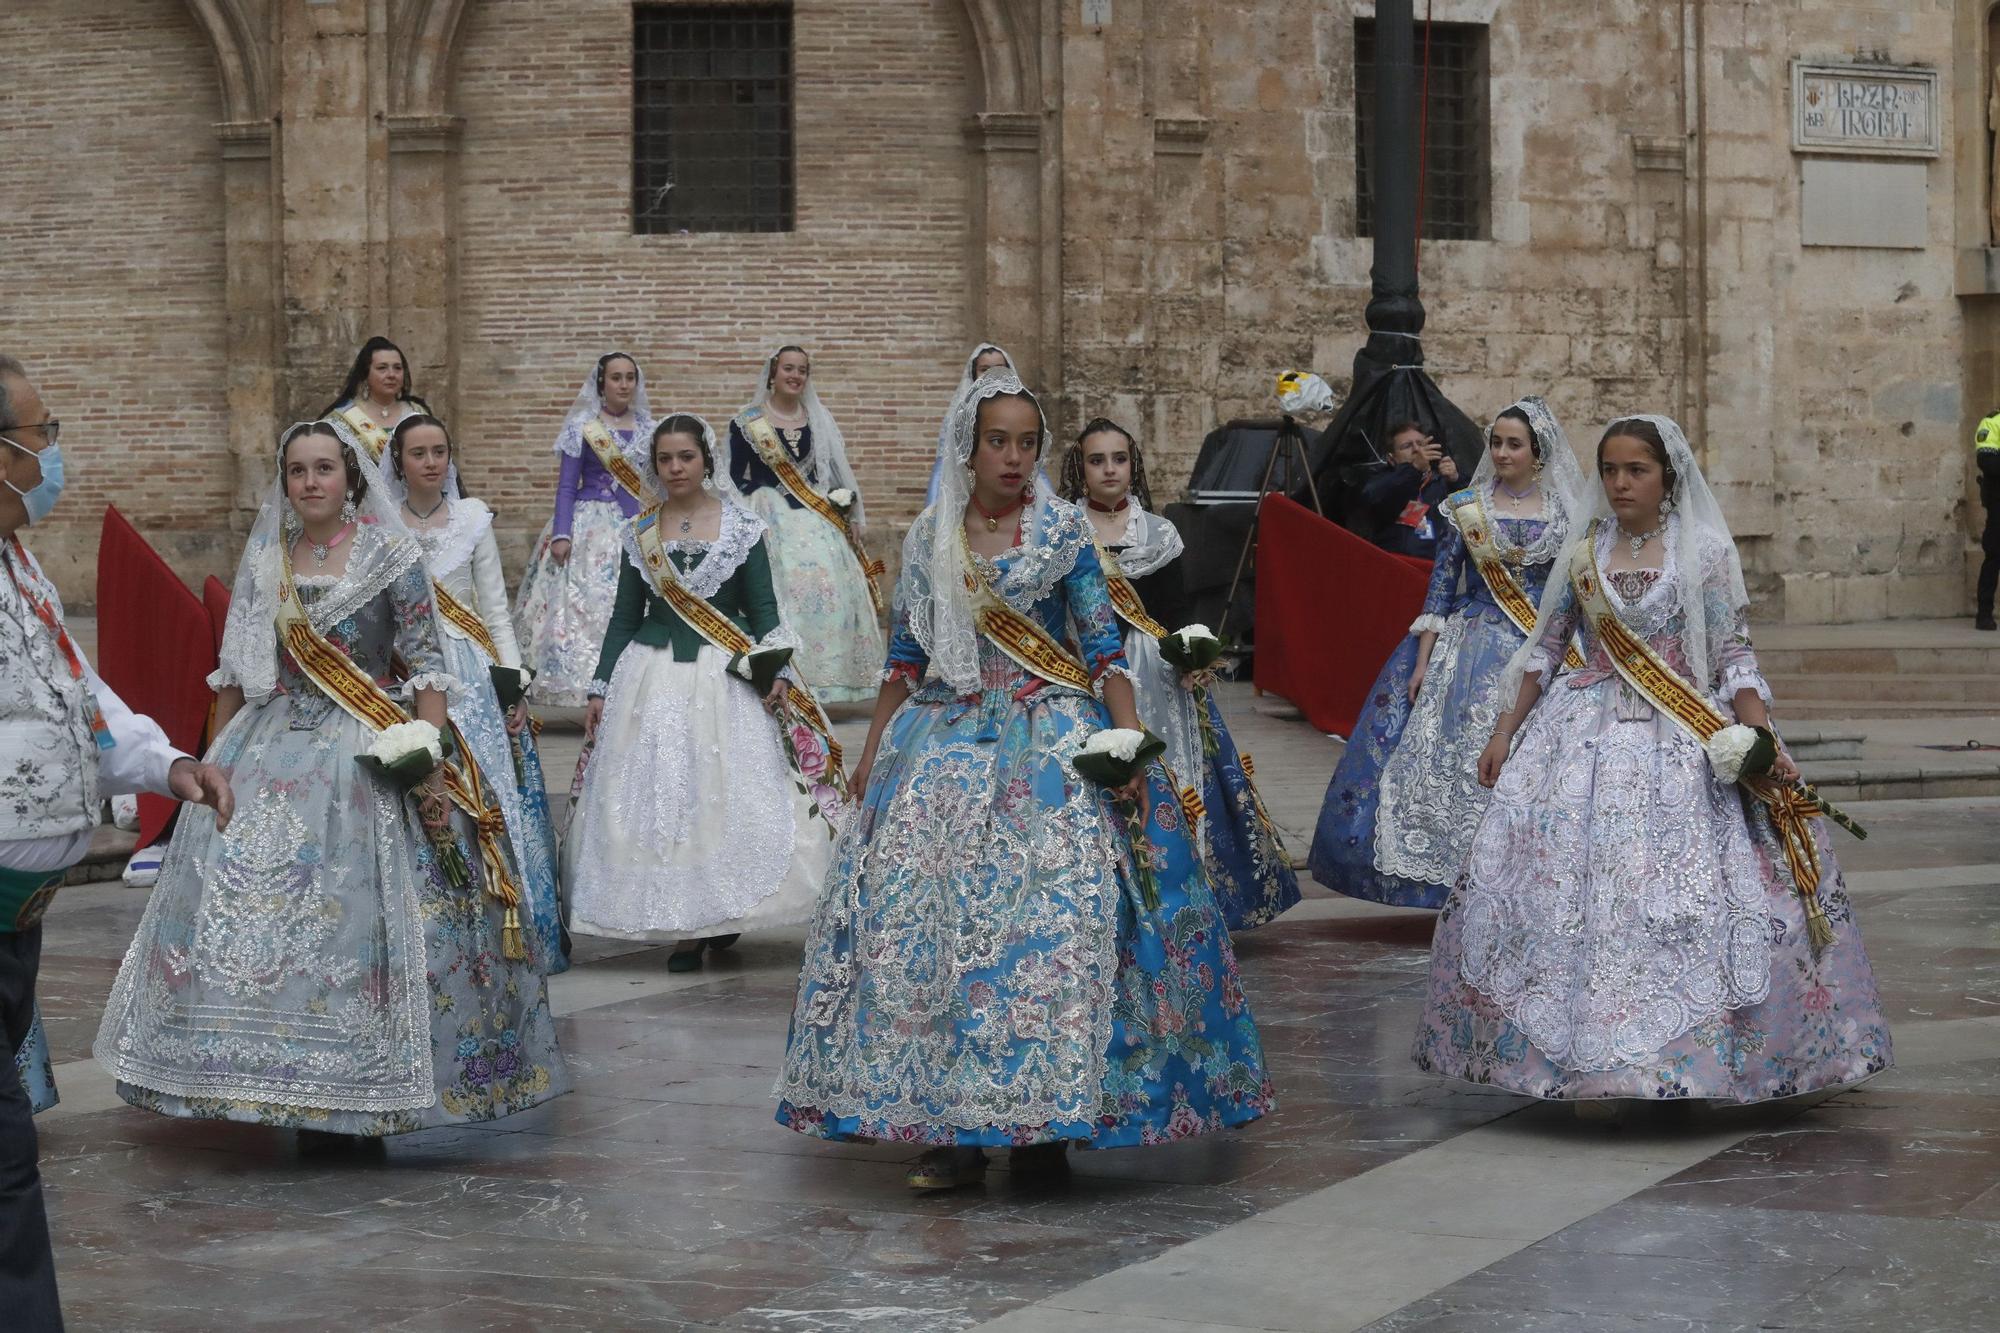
pixel 1151 543
pixel 737 533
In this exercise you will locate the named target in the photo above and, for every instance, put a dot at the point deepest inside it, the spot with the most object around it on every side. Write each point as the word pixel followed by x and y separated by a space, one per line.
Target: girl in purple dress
pixel 572 581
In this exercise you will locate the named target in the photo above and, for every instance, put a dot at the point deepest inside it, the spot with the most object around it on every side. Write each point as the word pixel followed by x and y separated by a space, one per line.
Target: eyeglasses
pixel 50 429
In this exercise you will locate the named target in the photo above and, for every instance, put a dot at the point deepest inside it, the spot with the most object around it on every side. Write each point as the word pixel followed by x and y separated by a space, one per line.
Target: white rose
pixel 1191 634
pixel 394 744
pixel 841 496
pixel 1728 748
pixel 1120 743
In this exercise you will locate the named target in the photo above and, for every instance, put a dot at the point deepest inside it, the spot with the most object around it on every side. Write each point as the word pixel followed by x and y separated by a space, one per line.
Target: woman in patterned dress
pixel 1628 924
pixel 1247 866
pixel 1405 797
pixel 994 962
pixel 565 597
pixel 822 589
pixel 314 966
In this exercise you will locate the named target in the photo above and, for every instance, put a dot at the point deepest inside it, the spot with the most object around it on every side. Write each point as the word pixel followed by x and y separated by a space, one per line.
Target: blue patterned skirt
pixel 987 966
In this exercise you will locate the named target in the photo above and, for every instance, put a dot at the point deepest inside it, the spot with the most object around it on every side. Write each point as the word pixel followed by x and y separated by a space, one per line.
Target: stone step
pixel 1816 743
pixel 1972 659
pixel 1889 687
pixel 1896 780
pixel 1793 710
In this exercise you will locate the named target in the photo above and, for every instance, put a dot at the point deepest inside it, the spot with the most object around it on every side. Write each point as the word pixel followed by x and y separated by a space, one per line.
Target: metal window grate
pixel 712 118
pixel 1455 174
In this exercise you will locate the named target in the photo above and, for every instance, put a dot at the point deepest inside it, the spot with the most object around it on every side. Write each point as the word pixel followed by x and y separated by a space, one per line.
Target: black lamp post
pixel 1390 383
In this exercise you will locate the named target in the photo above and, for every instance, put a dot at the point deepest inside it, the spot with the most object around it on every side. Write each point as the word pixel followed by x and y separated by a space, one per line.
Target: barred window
pixel 1455 193
pixel 712 118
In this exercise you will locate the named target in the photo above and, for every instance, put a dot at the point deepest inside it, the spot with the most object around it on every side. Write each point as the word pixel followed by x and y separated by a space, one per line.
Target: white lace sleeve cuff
pixel 1742 676
pixel 1427 624
pixel 1110 670
pixel 1536 663
pixel 442 681
pixel 598 689
pixel 221 678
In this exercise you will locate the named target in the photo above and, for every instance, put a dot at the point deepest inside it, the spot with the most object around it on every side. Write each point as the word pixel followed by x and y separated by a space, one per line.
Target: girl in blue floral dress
pixel 1405 797
pixel 1248 867
pixel 995 962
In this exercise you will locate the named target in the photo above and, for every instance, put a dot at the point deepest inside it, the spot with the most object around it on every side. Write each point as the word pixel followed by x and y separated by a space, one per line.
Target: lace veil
pixel 589 402
pixel 383 551
pixel 935 595
pixel 1565 494
pixel 830 468
pixel 1701 558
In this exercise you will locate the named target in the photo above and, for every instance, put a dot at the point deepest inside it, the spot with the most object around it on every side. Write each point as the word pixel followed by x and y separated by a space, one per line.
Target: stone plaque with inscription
pixel 1864 110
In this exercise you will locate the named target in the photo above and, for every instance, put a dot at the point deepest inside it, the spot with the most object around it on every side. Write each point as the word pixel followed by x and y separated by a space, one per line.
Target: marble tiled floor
pixel 661 1195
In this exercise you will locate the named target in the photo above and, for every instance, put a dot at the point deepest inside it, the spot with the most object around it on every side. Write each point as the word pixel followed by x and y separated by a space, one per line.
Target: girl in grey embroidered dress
pixel 1627 924
pixel 311 966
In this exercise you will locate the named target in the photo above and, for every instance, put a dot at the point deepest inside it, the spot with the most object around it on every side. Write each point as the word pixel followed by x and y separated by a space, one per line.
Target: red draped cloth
pixel 155 647
pixel 1330 610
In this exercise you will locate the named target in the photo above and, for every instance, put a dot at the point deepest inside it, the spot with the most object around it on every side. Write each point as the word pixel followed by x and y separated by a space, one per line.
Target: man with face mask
pixel 66 742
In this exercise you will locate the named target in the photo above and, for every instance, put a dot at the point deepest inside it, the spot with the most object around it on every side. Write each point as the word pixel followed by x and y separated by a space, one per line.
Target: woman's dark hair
pixel 1646 433
pixel 606 360
pixel 771 366
pixel 1025 397
pixel 680 423
pixel 1516 414
pixel 1403 427
pixel 357 485
pixel 1073 487
pixel 357 375
pixel 410 423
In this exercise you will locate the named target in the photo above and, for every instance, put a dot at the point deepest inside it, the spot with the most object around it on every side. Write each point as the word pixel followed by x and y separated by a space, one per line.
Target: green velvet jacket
pixel 641 615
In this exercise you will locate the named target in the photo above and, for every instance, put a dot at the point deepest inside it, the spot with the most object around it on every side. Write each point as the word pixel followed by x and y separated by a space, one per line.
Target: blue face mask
pixel 40 500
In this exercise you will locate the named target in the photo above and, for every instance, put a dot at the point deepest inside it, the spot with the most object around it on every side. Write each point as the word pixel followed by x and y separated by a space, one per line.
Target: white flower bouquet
pixel 1191 648
pixel 841 498
pixel 1745 754
pixel 1111 759
pixel 405 754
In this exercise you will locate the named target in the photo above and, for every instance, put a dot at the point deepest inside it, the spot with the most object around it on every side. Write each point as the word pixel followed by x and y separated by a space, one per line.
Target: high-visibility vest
pixel 1988 434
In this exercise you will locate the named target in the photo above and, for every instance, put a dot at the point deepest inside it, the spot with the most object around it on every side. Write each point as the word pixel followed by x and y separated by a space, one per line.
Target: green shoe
pixel 685 959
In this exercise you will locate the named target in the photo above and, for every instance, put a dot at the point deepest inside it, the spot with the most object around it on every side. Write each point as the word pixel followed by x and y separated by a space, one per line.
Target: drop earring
pixel 347 510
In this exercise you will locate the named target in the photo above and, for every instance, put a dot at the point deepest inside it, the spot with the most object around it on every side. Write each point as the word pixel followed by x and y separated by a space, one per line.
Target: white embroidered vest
pixel 48 757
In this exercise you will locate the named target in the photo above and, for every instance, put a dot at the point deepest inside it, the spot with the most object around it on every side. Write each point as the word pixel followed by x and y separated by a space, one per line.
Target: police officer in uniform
pixel 1986 449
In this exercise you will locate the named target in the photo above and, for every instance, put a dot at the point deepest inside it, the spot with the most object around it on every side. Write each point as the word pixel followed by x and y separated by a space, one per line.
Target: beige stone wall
pixel 1156 217
pixel 872 281
pixel 111 269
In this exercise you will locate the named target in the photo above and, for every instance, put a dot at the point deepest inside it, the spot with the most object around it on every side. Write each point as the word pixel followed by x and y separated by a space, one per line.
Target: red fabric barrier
pixel 1330 610
pixel 154 647
pixel 215 600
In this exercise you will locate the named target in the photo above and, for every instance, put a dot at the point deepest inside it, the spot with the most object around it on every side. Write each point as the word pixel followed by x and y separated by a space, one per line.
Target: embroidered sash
pixel 702 617
pixel 1021 637
pixel 1125 598
pixel 1477 530
pixel 598 437
pixel 466 619
pixel 1791 806
pixel 763 438
pixel 366 429
pixel 356 691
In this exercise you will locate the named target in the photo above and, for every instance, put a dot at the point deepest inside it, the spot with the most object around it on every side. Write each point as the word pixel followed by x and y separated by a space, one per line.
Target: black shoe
pixel 721 941
pixel 1041 1161
pixel 685 958
pixel 1984 622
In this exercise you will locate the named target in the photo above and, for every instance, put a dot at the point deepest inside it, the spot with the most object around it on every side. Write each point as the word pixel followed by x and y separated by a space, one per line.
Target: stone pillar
pixel 1006 237
pixel 422 269
pixel 251 298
